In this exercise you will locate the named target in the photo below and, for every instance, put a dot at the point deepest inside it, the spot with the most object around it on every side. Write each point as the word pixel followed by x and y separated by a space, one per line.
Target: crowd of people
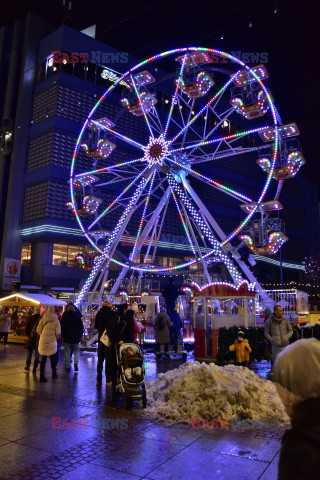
pixel 46 333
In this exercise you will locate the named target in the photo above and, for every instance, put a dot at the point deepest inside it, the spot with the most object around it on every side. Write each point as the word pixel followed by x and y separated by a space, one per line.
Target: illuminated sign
pixel 113 76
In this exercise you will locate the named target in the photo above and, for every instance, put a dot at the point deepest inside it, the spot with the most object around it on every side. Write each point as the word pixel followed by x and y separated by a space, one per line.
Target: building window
pixel 26 255
pixel 73 256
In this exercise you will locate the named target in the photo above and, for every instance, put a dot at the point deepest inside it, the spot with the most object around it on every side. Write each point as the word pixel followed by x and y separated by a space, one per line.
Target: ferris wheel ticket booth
pixel 219 305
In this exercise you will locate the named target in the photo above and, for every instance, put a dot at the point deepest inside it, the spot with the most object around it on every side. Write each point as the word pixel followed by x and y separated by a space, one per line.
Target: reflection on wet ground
pixel 68 428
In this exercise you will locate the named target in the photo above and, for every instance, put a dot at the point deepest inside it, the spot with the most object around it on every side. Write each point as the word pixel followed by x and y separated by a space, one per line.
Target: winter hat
pixel 241 334
pixel 297 368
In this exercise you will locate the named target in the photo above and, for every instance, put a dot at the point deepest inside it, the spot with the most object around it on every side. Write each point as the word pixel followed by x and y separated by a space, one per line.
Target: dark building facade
pixel 47 105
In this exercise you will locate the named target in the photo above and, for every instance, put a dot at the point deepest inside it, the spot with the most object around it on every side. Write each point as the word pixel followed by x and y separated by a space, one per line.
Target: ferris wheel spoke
pixel 216 155
pixel 174 98
pixel 207 232
pixel 215 97
pixel 156 122
pixel 117 198
pixel 196 243
pixel 222 119
pixel 146 203
pixel 109 168
pixel 183 219
pixel 235 136
pixel 213 183
pixel 185 142
pixel 119 135
pixel 115 180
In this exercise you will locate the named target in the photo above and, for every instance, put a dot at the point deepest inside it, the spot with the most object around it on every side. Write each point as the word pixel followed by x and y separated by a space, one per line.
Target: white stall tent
pixel 30 300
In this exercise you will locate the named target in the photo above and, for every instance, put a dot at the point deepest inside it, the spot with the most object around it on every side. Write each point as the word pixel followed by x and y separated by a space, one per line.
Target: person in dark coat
pixel 105 316
pixel 162 325
pixel 128 335
pixel 175 329
pixel 71 332
pixel 32 341
pixel 297 369
pixel 170 295
pixel 115 332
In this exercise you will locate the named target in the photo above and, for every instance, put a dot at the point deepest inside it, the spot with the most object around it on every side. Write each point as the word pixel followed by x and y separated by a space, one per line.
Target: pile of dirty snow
pixel 210 392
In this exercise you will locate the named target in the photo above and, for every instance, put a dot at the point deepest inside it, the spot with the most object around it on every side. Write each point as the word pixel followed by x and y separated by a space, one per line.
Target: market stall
pixel 21 306
pixel 216 305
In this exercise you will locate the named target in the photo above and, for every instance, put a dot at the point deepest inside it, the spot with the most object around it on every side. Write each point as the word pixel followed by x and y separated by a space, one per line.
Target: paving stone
pixel 238 445
pixel 189 465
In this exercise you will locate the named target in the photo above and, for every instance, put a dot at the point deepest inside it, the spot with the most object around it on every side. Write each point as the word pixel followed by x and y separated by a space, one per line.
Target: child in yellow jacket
pixel 242 348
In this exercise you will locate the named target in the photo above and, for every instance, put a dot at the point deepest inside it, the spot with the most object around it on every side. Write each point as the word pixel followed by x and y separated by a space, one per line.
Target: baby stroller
pixel 130 385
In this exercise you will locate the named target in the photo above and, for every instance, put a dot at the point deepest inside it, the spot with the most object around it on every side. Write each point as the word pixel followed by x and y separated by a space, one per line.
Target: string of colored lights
pixel 146 203
pixel 118 198
pixel 174 98
pixel 250 286
pixel 112 167
pixel 182 220
pixel 160 228
pixel 218 185
pixel 215 140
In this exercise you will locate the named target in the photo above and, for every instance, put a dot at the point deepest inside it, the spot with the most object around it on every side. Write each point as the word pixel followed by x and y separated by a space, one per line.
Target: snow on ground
pixel 211 392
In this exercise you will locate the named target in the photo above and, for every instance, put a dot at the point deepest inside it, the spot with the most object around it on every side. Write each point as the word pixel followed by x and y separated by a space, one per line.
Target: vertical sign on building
pixel 11 272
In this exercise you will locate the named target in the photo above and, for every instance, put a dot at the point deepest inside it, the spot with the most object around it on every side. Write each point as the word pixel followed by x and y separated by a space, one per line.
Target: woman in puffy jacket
pixel 49 330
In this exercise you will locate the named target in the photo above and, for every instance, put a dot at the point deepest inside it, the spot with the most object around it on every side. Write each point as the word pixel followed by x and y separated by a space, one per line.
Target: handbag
pixel 105 339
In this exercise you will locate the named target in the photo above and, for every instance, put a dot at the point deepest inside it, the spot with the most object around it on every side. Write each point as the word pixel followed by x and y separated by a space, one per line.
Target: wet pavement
pixel 68 429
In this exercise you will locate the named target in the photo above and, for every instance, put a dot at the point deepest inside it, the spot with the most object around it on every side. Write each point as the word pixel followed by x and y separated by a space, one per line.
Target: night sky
pixel 145 27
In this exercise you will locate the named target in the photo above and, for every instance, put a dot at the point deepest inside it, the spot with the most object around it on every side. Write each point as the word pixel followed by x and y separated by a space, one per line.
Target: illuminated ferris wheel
pixel 159 143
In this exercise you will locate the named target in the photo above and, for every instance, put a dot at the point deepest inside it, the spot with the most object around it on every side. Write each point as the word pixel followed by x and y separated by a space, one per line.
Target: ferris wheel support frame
pixel 143 237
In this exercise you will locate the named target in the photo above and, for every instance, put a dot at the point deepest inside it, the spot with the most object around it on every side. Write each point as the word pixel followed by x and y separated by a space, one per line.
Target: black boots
pixel 35 366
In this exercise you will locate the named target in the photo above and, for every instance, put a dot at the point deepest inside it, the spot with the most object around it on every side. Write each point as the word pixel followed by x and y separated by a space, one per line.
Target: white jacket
pixel 49 330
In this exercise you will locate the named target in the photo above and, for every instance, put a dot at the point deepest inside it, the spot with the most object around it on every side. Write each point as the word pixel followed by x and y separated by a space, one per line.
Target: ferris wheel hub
pixel 156 151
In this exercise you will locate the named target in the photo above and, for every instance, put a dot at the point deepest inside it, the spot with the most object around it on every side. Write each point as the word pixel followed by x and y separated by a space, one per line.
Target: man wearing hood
pixel 71 331
pixel 278 331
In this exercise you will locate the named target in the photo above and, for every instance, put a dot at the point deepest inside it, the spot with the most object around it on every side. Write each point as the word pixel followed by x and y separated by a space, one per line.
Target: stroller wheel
pixel 129 403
